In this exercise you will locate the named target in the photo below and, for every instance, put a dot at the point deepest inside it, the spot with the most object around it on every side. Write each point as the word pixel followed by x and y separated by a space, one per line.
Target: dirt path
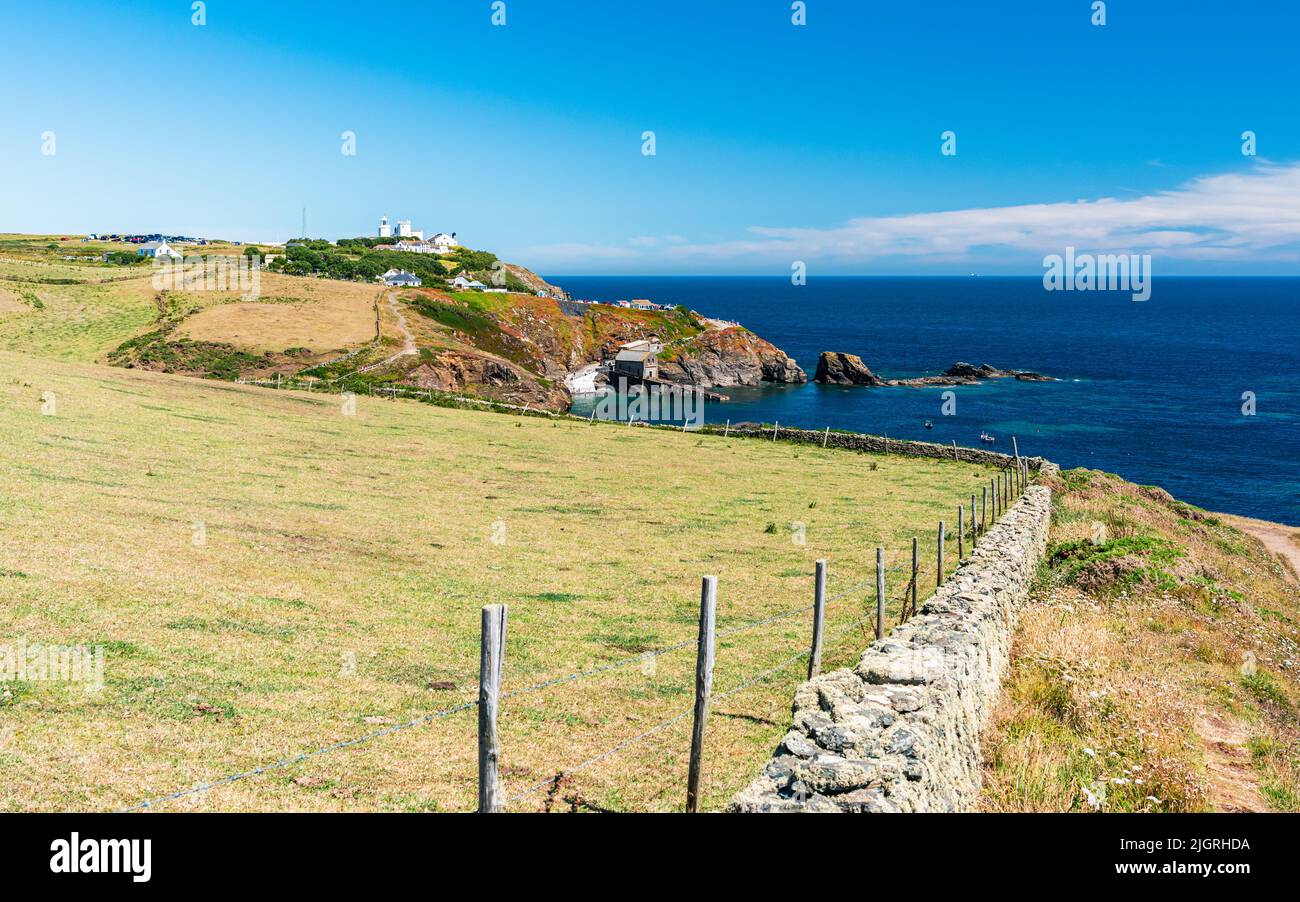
pixel 1279 539
pixel 1234 783
pixel 408 340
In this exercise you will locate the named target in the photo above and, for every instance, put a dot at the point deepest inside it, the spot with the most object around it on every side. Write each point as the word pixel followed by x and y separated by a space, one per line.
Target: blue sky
pixel 774 142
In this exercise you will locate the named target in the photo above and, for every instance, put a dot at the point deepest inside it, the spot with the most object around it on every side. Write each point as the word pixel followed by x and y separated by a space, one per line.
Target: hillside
pixel 1157 667
pixel 518 346
pixel 268 575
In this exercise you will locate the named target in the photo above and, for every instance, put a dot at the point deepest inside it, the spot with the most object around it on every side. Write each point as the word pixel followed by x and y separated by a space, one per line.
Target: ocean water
pixel 1150 390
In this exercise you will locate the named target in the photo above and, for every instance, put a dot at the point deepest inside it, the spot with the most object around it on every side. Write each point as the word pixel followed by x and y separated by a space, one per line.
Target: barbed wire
pixel 604 668
pixel 595 759
pixel 645 734
pixel 567 678
pixel 296 759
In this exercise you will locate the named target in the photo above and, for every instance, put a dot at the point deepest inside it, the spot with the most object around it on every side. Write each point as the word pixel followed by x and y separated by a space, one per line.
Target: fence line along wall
pixel 857 441
pixel 900 731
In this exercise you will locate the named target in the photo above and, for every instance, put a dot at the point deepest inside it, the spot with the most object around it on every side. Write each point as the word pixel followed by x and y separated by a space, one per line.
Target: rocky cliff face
pixel 536 282
pixel 523 348
pixel 728 356
pixel 486 377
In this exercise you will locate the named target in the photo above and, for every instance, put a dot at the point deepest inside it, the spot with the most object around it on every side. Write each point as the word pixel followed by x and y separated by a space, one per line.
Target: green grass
pixel 345 562
pixel 77 322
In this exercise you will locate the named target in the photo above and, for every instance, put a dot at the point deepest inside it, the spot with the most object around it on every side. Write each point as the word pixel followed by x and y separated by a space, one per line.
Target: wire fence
pixel 1004 493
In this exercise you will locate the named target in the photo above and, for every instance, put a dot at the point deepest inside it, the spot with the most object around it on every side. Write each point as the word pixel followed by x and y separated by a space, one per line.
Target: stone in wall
pixel 900 731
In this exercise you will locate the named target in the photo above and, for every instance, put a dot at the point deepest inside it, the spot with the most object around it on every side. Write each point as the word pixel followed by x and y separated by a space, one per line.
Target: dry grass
pixel 333 540
pixel 320 315
pixel 1154 670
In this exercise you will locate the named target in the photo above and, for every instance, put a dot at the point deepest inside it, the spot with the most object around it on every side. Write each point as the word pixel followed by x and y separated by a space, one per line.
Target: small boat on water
pixel 986 438
pixel 929 425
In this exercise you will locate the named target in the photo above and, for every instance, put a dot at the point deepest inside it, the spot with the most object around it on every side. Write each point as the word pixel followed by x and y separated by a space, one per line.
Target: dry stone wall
pixel 900 731
pixel 855 441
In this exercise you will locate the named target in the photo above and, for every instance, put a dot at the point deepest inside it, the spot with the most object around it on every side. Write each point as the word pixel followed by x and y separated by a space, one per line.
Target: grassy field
pixel 83 311
pixel 82 321
pixel 1155 668
pixel 268 576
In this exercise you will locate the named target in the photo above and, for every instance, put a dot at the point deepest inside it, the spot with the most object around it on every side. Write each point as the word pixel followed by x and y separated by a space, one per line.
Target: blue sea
pixel 1150 390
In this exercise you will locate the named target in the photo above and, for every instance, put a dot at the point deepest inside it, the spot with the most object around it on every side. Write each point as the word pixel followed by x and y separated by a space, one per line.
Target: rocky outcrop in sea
pixel 838 368
pixel 844 369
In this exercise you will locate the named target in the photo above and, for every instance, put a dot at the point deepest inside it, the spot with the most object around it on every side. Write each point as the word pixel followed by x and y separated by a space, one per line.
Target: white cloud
pixel 1247 216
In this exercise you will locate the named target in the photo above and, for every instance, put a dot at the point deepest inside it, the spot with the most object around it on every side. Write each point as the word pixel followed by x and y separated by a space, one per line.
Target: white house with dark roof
pixel 401 279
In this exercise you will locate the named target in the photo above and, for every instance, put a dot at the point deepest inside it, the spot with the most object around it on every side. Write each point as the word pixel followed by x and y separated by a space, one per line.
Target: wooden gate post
pixel 819 618
pixel 880 593
pixel 916 570
pixel 938 577
pixel 961 533
pixel 703 687
pixel 492 649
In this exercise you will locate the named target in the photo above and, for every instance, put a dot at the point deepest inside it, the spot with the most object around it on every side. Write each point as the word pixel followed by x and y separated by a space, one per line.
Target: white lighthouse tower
pixel 385 230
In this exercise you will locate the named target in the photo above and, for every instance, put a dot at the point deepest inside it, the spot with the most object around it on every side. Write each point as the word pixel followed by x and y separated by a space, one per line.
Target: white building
pixel 463 282
pixel 402 279
pixel 417 247
pixel 158 249
pixel 404 230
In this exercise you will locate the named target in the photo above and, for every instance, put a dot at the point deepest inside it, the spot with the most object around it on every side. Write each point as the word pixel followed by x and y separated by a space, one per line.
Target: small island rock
pixel 836 368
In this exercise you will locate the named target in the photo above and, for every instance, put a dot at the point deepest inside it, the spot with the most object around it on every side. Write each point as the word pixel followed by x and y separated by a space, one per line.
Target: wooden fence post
pixel 819 618
pixel 916 570
pixel 938 577
pixel 880 592
pixel 1015 448
pixel 826 436
pixel 727 431
pixel 974 526
pixel 954 449
pixel 703 687
pixel 775 426
pixel 492 649
pixel 984 509
pixel 961 533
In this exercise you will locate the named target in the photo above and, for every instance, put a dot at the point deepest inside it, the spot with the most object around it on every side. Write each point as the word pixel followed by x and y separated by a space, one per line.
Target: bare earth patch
pixel 1282 540
pixel 1233 783
pixel 9 303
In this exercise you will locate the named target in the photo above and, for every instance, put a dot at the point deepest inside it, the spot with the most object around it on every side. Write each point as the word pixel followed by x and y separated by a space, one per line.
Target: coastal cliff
pixel 728 356
pixel 534 349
